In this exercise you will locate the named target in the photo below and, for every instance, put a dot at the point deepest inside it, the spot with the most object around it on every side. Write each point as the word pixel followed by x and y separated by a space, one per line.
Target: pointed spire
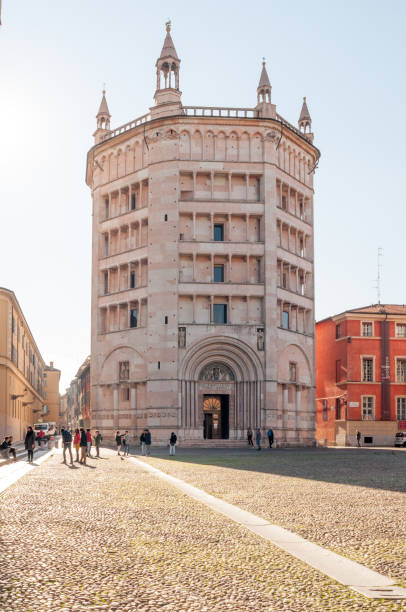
pixel 264 80
pixel 168 50
pixel 103 109
pixel 304 114
pixel 305 121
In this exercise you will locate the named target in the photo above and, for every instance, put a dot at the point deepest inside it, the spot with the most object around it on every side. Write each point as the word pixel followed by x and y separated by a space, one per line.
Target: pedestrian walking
pixel 29 443
pixel 51 437
pixel 89 442
pixel 41 436
pixel 249 437
pixel 148 442
pixel 76 443
pixel 126 443
pixel 97 442
pixel 172 442
pixel 67 444
pixel 83 446
pixel 258 438
pixel 270 437
pixel 118 441
pixel 143 445
pixel 359 438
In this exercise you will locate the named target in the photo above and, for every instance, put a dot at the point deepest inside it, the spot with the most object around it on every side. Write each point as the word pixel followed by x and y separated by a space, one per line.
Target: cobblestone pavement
pixel 352 502
pixel 110 536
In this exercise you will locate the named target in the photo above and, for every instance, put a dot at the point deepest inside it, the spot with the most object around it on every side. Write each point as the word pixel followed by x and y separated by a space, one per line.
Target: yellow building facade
pixel 22 368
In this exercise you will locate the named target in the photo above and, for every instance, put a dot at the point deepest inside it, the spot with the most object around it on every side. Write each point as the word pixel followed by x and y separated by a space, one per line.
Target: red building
pixel 361 375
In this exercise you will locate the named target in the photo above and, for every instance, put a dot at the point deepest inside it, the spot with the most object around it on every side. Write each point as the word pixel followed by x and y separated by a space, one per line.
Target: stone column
pixel 133 399
pixel 115 406
pixel 298 399
pixel 285 391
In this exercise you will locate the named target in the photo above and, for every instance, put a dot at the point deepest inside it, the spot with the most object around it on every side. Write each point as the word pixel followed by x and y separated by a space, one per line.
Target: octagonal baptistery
pixel 202 273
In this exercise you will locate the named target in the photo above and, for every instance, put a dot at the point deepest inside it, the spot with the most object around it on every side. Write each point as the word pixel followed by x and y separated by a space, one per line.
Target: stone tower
pixel 202 272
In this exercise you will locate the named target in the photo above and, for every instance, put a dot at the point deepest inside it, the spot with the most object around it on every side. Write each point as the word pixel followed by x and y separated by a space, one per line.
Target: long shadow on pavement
pixel 373 468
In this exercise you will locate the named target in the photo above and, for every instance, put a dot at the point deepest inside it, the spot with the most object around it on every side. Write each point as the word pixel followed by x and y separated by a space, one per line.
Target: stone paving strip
pixel 110 536
pixel 10 473
pixel 341 569
pixel 351 503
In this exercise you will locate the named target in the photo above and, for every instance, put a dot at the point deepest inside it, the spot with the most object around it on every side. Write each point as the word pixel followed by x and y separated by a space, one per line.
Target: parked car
pixel 400 438
pixel 45 428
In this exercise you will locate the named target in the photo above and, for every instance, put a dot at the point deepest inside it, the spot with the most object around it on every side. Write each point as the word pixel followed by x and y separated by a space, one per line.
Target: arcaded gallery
pixel 202 268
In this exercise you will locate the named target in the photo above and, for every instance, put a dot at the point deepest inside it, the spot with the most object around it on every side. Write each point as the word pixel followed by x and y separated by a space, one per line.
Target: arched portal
pixel 221 389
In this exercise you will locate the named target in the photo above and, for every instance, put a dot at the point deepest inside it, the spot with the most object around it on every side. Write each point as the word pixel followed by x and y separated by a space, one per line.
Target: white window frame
pixel 400 397
pixel 367 323
pixel 397 326
pixel 399 358
pixel 372 418
pixel 373 357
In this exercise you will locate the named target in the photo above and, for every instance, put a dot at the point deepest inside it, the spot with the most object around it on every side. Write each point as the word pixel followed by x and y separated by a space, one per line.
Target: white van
pixel 45 428
pixel 400 438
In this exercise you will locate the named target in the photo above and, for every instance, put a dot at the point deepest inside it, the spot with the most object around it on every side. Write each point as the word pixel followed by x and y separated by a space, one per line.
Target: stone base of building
pixel 373 433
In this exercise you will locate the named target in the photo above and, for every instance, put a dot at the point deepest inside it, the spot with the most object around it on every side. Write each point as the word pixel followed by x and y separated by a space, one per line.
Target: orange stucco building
pixel 361 375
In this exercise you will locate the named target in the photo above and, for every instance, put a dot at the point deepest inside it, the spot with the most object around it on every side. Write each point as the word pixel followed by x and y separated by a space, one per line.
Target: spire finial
pixel 263 61
pixel 168 25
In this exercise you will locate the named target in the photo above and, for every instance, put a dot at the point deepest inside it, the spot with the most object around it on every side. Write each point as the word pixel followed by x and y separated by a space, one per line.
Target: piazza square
pixel 202 395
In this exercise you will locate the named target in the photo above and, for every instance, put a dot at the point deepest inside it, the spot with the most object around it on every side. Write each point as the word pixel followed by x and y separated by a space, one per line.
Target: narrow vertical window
pixel 218 274
pixel 218 232
pixel 133 201
pixel 133 317
pixel 220 313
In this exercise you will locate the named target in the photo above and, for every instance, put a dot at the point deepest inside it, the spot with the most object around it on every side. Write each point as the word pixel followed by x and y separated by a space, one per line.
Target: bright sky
pixel 348 59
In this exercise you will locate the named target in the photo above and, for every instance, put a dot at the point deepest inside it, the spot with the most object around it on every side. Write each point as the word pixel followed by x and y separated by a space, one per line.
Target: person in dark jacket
pixel 258 437
pixel 270 437
pixel 148 441
pixel 249 437
pixel 172 443
pixel 67 444
pixel 7 449
pixel 142 440
pixel 97 442
pixel 29 443
pixel 118 442
pixel 83 446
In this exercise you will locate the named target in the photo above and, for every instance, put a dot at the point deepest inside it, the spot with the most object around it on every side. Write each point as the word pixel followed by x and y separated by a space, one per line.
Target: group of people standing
pixel 82 443
pixel 258 437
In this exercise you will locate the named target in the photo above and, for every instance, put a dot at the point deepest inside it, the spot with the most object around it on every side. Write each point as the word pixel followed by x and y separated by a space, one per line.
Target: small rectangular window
pixel 219 274
pixel 325 410
pixel 133 201
pixel 106 283
pixel 366 329
pixel 401 370
pixel 401 408
pixel 133 317
pixel 400 330
pixel 285 319
pixel 106 208
pixel 367 369
pixel 132 280
pixel 338 331
pixel 338 409
pixel 368 408
pixel 166 217
pixel 338 370
pixel 219 313
pixel 219 232
pixel 166 320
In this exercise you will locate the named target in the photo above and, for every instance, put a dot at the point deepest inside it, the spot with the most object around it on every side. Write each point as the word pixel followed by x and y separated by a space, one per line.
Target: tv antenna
pixel 378 278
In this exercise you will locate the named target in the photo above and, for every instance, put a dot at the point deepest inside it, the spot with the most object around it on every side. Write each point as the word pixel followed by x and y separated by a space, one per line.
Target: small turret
pixel 103 119
pixel 305 121
pixel 264 107
pixel 167 94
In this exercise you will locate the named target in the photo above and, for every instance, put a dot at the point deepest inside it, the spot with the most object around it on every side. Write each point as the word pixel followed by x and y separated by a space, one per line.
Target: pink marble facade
pixel 200 214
